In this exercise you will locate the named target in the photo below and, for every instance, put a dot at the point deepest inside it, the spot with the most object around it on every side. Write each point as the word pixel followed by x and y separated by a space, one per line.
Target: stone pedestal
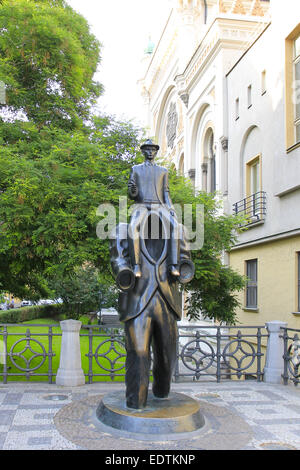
pixel 70 373
pixel 177 415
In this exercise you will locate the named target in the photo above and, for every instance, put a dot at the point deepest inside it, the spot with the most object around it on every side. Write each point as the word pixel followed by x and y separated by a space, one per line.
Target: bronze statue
pixel 148 271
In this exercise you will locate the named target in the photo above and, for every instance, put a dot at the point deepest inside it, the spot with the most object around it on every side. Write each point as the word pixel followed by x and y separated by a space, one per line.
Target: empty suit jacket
pixel 152 185
pixel 155 276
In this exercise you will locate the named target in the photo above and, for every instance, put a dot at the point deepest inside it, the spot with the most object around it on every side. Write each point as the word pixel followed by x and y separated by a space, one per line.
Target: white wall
pixel 280 170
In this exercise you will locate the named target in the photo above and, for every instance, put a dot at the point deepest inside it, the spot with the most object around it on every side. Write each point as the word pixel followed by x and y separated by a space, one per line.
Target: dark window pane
pixel 251 289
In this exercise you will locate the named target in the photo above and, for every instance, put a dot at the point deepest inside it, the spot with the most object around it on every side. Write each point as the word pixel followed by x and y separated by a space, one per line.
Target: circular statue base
pixel 173 416
pixel 77 422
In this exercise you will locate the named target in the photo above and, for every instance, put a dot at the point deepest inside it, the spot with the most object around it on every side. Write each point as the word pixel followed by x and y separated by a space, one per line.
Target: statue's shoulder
pixel 137 167
pixel 163 169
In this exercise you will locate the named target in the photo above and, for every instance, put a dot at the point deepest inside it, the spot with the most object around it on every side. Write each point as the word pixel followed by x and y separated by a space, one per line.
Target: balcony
pixel 253 208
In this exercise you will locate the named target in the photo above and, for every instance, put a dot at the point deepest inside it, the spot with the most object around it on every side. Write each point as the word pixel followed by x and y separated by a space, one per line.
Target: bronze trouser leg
pixel 134 233
pixel 156 323
pixel 164 336
pixel 138 332
pixel 174 242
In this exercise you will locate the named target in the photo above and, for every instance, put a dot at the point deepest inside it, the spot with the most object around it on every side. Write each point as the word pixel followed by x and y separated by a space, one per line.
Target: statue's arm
pixel 132 185
pixel 186 265
pixel 167 198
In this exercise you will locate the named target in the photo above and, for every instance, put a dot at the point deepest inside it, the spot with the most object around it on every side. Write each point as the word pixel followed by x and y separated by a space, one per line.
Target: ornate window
pixel 209 162
pixel 172 125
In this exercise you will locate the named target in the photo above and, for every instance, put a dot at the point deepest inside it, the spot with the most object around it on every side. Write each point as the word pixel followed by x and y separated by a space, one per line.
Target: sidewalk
pixel 32 416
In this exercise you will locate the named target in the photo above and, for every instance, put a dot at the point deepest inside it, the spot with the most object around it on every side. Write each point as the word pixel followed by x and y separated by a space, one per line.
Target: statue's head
pixel 149 149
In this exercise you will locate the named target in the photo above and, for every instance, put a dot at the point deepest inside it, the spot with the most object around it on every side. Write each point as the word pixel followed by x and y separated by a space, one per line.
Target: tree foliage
pixel 213 291
pixel 82 291
pixel 59 162
pixel 48 59
pixel 52 183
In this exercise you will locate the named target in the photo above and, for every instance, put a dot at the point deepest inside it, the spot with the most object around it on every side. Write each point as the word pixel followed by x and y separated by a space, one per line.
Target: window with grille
pixel 251 287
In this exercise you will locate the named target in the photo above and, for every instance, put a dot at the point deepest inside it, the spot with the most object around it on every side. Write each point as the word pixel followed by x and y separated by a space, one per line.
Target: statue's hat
pixel 148 144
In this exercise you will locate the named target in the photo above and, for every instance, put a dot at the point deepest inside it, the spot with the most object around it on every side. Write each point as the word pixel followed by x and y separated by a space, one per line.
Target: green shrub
pixel 18 315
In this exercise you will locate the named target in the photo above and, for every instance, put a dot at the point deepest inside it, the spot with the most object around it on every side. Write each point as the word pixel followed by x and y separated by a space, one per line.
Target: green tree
pixel 59 162
pixel 214 289
pixel 82 290
pixel 52 183
pixel 48 59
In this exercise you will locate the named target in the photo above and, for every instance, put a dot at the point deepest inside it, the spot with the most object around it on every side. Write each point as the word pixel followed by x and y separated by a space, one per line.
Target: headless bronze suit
pixel 151 192
pixel 150 304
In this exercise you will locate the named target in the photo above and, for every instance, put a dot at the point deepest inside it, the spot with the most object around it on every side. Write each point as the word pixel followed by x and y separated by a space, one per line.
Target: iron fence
pixel 27 356
pixel 291 355
pixel 210 351
pixel 215 352
pixel 220 352
pixel 107 356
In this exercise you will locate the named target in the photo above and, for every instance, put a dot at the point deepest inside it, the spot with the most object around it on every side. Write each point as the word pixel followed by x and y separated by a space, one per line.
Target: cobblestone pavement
pixel 272 412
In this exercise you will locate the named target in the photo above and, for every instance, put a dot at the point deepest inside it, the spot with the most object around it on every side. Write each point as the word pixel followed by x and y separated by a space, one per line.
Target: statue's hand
pixel 133 188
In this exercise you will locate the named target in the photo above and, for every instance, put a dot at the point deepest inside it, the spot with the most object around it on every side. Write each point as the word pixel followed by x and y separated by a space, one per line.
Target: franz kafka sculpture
pixel 150 257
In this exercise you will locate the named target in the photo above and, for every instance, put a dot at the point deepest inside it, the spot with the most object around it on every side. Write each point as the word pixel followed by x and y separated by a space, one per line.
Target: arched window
pixel 209 162
pixel 181 166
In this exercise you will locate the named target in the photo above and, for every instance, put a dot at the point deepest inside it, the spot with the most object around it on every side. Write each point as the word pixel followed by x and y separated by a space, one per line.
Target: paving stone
pixel 39 441
pixel 2 438
pixel 267 411
pixel 6 417
pixel 270 413
pixel 12 399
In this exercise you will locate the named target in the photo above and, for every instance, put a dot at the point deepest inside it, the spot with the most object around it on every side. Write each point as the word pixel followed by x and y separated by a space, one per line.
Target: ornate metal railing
pixel 220 352
pixel 253 208
pixel 27 356
pixel 202 352
pixel 106 352
pixel 291 355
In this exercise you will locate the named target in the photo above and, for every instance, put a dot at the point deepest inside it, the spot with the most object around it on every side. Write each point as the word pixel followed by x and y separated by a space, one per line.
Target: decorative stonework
pixel 185 98
pixel 180 120
pixel 222 8
pixel 164 62
pixel 256 9
pixel 224 143
pixel 172 125
pixel 192 173
pixel 238 7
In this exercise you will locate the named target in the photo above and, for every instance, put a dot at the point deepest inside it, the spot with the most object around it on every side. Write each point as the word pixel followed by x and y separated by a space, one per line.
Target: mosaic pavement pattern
pixel 267 416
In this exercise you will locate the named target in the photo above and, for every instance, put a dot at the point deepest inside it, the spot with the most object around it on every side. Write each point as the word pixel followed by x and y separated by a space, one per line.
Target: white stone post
pixel 70 373
pixel 274 358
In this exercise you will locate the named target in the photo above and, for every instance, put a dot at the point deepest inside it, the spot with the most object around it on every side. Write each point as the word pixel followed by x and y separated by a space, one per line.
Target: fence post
pixel 275 349
pixel 70 373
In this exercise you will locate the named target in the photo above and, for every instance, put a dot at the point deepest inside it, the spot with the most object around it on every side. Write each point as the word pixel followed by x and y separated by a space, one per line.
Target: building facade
pixel 220 96
pixel 264 168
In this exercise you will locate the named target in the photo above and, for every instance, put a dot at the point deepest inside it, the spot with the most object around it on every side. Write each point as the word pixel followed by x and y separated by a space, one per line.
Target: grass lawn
pixel 19 332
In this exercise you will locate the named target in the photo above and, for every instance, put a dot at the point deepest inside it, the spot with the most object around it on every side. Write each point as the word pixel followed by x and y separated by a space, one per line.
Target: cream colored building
pixel 264 167
pixel 218 96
